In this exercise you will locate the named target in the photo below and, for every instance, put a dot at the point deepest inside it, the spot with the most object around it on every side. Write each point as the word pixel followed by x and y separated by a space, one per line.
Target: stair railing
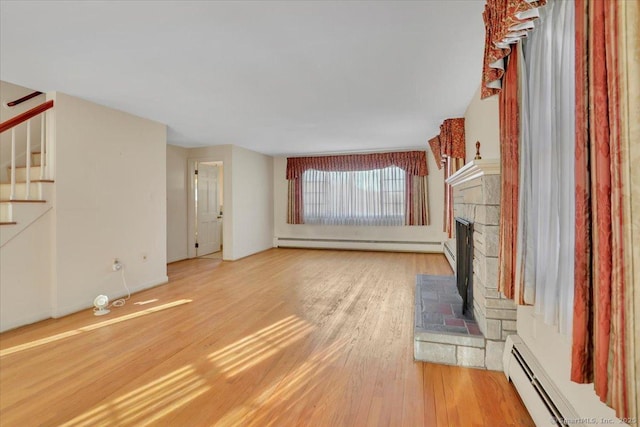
pixel 23 99
pixel 46 164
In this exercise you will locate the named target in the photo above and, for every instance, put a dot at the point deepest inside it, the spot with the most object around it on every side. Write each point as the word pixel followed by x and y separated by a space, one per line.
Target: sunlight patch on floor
pixel 88 328
pixel 282 394
pixel 257 347
pixel 145 302
pixel 149 403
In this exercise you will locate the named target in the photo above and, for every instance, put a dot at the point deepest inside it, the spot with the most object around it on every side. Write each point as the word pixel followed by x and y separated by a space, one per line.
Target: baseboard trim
pixel 27 320
pixel 366 245
pixel 65 311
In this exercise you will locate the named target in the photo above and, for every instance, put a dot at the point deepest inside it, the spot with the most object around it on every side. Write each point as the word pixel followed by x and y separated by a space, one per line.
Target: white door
pixel 207 232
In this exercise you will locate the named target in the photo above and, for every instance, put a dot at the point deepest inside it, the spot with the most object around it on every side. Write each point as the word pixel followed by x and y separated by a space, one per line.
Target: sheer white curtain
pixel 370 197
pixel 547 190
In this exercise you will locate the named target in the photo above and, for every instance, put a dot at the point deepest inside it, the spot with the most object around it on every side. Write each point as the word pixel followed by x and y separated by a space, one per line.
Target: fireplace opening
pixel 464 264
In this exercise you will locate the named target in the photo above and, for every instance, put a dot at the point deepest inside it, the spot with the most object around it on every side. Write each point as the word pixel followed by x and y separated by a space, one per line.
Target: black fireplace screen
pixel 464 264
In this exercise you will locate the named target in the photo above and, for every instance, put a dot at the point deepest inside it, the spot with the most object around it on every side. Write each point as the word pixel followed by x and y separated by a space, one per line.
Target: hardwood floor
pixel 285 338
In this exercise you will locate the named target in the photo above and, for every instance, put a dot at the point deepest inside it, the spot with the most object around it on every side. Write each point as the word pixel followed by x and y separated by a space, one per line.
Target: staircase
pixel 29 202
pixel 28 193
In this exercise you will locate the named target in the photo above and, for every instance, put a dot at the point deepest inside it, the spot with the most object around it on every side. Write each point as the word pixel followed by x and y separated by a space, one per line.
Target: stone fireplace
pixel 476 194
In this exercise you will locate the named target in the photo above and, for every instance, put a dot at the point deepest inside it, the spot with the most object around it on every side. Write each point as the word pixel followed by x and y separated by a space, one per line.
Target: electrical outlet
pixel 116 265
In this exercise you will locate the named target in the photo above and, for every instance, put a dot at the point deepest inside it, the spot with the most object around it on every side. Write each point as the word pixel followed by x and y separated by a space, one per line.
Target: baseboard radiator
pixel 358 244
pixel 543 400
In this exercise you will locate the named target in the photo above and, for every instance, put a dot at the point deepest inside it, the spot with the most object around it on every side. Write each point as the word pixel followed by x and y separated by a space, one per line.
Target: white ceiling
pixel 278 77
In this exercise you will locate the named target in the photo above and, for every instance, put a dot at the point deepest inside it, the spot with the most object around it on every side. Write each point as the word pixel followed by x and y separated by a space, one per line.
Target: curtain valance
pixel 449 151
pixel 434 143
pixel 412 162
pixel 452 142
pixel 506 22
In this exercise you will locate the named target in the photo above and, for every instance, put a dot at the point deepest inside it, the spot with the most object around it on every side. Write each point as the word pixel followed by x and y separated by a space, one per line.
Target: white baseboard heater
pixel 450 253
pixel 356 244
pixel 543 400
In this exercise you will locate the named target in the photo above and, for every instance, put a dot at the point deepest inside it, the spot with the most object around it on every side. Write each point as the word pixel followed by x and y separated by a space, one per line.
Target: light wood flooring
pixel 283 338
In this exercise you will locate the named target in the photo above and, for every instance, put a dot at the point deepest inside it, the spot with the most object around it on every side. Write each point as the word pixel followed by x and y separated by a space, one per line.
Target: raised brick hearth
pixel 442 333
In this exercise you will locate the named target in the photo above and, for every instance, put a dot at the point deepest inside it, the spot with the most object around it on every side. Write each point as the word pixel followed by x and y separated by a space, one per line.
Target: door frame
pixel 210 209
pixel 191 207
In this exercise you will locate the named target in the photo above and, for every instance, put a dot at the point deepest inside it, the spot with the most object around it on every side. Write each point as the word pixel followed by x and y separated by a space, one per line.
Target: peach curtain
pixel 506 22
pixel 601 340
pixel 294 201
pixel 414 163
pixel 416 202
pixel 451 145
pixel 629 30
pixel 436 149
pixel 451 166
pixel 509 170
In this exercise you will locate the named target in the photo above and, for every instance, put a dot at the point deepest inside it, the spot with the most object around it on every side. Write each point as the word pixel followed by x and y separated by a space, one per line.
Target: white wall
pixel 10 92
pixel 110 202
pixel 177 187
pixel 431 233
pixel 482 123
pixel 247 199
pixel 252 202
pixel 25 275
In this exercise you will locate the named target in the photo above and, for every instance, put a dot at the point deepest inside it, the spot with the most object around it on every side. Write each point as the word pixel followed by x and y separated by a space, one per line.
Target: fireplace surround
pixel 476 197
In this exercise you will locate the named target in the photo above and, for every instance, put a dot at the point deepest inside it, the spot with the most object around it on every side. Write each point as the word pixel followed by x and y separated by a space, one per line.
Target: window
pixel 370 197
pixel 358 189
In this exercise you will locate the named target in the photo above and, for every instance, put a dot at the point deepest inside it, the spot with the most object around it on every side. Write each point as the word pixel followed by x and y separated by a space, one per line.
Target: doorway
pixel 208 209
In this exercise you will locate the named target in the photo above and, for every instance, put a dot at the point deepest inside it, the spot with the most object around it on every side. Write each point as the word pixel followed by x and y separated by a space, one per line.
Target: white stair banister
pixel 47 138
pixel 28 160
pixel 13 164
pixel 50 145
pixel 42 146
